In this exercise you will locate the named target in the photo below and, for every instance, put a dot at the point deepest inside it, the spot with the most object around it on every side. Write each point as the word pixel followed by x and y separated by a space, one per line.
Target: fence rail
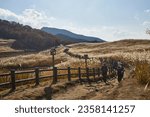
pixel 11 80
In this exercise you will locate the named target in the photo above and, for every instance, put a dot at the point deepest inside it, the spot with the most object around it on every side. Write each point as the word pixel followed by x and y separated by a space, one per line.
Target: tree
pixel 148 31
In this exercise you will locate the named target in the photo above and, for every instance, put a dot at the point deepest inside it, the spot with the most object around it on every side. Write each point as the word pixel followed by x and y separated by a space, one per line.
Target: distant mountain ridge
pixel 62 33
pixel 30 39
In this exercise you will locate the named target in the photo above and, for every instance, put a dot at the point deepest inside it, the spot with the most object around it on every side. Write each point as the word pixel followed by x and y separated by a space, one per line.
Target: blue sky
pixel 107 19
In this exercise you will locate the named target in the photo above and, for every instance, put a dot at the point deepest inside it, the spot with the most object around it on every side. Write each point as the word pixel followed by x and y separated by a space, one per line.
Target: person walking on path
pixel 120 72
pixel 104 71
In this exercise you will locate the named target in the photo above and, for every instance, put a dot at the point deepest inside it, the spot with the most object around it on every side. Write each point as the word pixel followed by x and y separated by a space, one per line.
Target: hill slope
pixel 26 38
pixel 69 40
pixel 129 88
pixel 62 33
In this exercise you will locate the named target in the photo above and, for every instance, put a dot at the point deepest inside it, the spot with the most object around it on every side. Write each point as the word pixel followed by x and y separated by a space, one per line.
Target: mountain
pixel 27 38
pixel 69 40
pixel 67 35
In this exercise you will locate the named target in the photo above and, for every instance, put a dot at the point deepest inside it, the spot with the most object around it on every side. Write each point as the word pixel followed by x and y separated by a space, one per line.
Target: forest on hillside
pixel 27 38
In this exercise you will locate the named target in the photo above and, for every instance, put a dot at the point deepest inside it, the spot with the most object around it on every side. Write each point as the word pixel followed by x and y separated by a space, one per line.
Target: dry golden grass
pixel 110 48
pixel 31 60
pixel 5 45
pixel 142 72
pixel 129 51
pixel 136 53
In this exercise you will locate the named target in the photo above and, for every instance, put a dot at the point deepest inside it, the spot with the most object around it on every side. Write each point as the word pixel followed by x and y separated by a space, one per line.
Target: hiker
pixel 104 71
pixel 114 64
pixel 120 71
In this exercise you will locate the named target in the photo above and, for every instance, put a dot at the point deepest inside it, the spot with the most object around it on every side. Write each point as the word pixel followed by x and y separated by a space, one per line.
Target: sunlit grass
pixel 133 53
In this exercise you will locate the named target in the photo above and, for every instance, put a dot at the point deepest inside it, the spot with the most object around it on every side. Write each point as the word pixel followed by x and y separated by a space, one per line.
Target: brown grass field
pixel 5 45
pixel 136 53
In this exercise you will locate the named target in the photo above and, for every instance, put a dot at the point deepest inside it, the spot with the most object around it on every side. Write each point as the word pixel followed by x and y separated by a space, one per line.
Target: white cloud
pixel 122 34
pixel 30 17
pixel 146 23
pixel 147 11
pixel 35 18
pixel 38 19
pixel 8 15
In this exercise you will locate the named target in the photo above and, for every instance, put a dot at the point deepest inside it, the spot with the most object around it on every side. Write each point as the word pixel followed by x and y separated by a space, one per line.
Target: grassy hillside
pixel 25 37
pixel 112 48
pixel 136 53
pixel 128 50
pixel 5 45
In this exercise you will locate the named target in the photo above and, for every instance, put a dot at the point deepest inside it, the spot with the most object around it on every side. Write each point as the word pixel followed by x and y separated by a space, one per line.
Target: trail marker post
pixel 53 53
pixel 86 57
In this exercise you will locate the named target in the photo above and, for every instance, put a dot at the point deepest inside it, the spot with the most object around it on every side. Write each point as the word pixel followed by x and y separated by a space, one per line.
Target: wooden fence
pixel 10 80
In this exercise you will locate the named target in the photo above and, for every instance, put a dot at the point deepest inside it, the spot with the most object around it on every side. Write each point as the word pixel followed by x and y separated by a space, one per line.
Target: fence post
pixel 87 75
pixel 13 80
pixel 36 76
pixel 79 74
pixel 94 73
pixel 69 74
pixel 54 75
pixel 98 72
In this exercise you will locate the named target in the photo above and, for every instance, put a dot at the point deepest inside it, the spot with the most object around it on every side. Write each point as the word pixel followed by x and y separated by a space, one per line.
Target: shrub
pixel 142 72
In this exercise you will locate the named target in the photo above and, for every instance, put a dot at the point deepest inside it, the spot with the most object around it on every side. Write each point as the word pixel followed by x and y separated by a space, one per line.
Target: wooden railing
pixel 14 77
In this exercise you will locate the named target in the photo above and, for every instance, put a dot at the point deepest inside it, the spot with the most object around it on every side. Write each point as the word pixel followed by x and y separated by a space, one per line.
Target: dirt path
pixel 86 91
pixel 127 89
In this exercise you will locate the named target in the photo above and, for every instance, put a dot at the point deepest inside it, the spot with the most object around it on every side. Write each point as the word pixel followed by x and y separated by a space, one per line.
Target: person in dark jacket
pixel 104 71
pixel 120 72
